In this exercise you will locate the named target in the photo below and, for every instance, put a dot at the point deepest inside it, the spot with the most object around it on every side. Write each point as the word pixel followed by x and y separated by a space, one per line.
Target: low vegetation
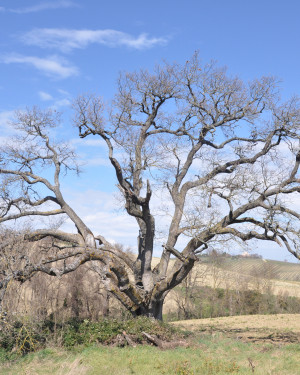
pixel 207 354
pixel 23 336
pixel 69 338
pixel 213 289
pixel 207 302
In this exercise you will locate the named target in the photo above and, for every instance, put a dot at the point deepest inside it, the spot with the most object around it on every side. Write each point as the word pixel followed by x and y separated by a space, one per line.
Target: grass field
pixel 209 356
pixel 254 344
pixel 279 322
pixel 280 329
pixel 279 270
pixel 217 346
pixel 266 276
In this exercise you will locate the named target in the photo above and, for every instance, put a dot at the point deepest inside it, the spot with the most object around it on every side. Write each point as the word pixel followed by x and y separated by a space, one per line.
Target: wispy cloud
pixel 98 210
pixel 88 142
pixel 7 130
pixel 53 66
pixel 44 96
pixel 5 118
pixel 62 103
pixel 57 102
pixel 46 5
pixel 67 39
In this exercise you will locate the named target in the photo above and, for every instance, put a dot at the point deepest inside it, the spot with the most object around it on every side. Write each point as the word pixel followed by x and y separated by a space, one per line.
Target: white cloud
pixel 5 118
pixel 63 92
pixel 52 66
pixel 47 5
pixel 45 96
pixel 96 161
pixel 98 210
pixel 62 103
pixel 57 102
pixel 67 39
pixel 4 140
pixel 94 142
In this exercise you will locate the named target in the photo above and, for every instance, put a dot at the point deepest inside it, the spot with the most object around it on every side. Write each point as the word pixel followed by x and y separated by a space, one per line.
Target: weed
pixel 183 368
pixel 131 366
pixel 213 366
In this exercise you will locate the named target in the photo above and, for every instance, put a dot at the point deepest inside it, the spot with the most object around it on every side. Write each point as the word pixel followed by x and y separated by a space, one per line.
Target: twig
pixel 251 364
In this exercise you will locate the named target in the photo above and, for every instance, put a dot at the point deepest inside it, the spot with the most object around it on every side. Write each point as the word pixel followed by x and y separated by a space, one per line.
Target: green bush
pixel 23 336
pixel 105 331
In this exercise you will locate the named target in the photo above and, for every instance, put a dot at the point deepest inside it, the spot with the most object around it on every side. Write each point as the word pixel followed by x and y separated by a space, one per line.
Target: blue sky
pixel 51 51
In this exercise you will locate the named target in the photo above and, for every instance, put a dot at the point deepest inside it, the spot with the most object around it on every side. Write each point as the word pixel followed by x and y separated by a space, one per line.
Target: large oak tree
pixel 223 154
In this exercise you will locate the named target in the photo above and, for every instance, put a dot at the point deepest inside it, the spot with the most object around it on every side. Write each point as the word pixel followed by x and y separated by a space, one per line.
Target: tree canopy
pixel 223 155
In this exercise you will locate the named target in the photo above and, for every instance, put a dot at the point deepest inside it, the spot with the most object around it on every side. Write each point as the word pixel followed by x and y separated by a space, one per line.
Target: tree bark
pixel 153 310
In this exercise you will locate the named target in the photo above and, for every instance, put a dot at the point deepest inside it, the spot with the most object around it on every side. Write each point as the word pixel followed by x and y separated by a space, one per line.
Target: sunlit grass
pixel 206 355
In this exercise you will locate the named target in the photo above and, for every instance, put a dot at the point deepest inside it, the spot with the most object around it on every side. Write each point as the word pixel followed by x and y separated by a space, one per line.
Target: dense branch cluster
pixel 224 154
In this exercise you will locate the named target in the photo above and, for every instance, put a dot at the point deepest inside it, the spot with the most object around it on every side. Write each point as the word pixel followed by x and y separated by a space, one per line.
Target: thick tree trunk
pixel 154 310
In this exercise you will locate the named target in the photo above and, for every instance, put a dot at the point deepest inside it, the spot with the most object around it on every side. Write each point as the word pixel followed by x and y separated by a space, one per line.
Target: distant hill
pixel 272 269
pixel 238 273
pixel 241 273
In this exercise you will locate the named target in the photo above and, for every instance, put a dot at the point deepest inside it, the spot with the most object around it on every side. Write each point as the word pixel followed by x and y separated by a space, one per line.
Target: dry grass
pixel 220 278
pixel 282 270
pixel 209 275
pixel 281 322
pixel 56 363
pixel 281 329
pixel 45 294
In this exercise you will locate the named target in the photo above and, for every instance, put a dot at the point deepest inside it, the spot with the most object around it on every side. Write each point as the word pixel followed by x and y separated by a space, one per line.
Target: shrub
pixel 105 331
pixel 23 336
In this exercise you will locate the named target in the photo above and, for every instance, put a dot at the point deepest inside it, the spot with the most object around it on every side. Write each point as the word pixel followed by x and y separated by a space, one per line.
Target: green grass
pixel 207 355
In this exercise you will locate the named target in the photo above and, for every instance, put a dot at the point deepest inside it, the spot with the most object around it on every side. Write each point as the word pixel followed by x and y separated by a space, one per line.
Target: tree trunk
pixel 153 310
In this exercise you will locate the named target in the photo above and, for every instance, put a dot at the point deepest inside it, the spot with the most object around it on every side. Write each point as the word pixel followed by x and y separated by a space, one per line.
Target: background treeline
pixel 206 302
pixel 214 290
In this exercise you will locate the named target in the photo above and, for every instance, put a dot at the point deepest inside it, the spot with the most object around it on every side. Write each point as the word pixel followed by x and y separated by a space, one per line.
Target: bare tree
pixel 223 154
